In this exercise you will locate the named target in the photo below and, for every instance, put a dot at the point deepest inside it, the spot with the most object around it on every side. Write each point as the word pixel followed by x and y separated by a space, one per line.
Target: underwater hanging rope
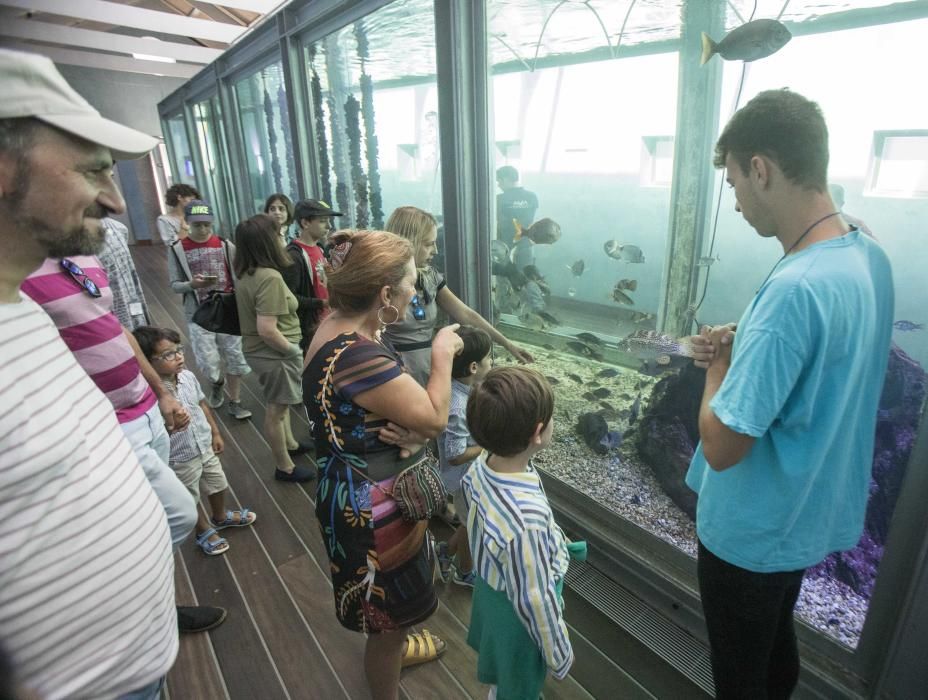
pixel 272 141
pixel 358 178
pixel 370 134
pixel 288 141
pixel 322 143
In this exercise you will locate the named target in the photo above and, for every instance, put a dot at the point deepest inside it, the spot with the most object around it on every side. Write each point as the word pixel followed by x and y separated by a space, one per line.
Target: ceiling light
pixel 147 57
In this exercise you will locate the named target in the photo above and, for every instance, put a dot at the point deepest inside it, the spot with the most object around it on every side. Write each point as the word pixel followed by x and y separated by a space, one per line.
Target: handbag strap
pixel 328 388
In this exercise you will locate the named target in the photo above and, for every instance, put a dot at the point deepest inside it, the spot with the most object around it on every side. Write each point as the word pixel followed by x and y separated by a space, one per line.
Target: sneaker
pixel 199 618
pixel 444 561
pixel 299 474
pixel 468 578
pixel 237 411
pixel 216 395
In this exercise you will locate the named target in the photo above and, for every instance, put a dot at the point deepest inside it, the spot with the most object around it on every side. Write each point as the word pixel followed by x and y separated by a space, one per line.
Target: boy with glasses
pixel 195 450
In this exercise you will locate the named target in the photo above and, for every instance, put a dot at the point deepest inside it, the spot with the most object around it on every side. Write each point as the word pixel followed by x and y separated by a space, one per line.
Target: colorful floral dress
pixel 381 564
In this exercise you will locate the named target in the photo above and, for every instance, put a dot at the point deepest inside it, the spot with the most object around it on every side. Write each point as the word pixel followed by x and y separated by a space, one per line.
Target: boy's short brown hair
pixel 504 411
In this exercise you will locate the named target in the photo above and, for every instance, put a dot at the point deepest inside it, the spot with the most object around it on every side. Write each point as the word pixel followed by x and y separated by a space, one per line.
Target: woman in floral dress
pixel 354 384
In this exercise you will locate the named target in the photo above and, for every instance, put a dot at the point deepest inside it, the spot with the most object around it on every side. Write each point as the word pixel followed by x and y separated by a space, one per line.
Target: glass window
pixel 262 107
pixel 376 115
pixel 589 139
pixel 899 167
pixel 208 122
pixel 182 169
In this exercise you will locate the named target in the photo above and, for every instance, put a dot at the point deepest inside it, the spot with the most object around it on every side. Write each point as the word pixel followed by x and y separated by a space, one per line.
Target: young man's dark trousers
pixel 750 621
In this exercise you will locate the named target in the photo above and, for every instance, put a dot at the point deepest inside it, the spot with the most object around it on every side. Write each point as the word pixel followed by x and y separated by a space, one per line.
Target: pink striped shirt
pixel 91 330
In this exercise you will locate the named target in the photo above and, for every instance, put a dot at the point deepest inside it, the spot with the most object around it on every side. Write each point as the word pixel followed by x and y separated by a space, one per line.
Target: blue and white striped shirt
pixel 518 549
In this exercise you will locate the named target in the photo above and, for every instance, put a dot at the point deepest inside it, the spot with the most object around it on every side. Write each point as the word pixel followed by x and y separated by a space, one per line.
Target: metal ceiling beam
pixel 128 16
pixel 105 41
pixel 107 61
pixel 261 7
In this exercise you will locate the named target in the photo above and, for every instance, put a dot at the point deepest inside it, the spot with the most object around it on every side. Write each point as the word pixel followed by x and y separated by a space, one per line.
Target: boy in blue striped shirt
pixel 520 554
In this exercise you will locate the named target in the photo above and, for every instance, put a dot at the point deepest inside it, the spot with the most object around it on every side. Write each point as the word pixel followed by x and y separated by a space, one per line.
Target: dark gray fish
pixel 547 346
pixel 549 319
pixel 553 381
pixel 757 39
pixel 608 372
pixel 589 338
pixel 593 429
pixel 602 393
pixel 635 410
pixel 585 350
pixel 630 285
pixel 589 396
pixel 532 321
pixel 577 268
pixel 575 378
pixel 640 316
pixel 543 231
pixel 621 297
pixel 627 253
pixel 499 252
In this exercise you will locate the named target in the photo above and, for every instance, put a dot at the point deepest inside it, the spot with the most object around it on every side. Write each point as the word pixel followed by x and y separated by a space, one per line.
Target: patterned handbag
pixel 418 489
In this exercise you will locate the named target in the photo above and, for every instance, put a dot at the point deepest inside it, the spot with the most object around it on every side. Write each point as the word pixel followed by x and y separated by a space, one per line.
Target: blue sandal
pixel 245 518
pixel 219 546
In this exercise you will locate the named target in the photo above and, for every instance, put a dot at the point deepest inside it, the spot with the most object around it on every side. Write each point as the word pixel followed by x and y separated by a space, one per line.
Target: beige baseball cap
pixel 33 87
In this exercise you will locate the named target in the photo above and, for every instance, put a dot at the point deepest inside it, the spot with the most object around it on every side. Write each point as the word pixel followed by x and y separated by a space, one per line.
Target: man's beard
pixel 55 242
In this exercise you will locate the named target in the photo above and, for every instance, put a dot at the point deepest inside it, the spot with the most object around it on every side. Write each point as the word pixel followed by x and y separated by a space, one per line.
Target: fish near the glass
pixel 577 268
pixel 584 350
pixel 589 338
pixel 543 232
pixel 630 285
pixel 549 319
pixel 640 316
pixel 756 39
pixel 626 253
pixel 621 297
pixel 651 346
pixel 906 326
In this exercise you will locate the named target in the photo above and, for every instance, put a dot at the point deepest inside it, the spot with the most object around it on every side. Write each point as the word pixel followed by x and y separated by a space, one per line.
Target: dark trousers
pixel 750 621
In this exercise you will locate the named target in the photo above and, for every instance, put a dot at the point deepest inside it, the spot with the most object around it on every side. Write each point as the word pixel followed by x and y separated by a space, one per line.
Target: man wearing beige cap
pixel 86 584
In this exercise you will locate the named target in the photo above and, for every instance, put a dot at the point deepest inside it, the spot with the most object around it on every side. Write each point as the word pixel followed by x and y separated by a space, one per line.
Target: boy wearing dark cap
pixel 306 279
pixel 197 265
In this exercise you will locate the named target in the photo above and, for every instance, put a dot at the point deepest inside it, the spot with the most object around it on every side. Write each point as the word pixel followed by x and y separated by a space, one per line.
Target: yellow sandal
pixel 421 648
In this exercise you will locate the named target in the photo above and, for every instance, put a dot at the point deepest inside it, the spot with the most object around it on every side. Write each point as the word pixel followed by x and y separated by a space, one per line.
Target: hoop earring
pixel 396 315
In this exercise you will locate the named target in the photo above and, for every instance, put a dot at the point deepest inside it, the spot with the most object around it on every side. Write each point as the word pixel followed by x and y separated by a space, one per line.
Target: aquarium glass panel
pixel 375 111
pixel 182 169
pixel 592 140
pixel 208 123
pixel 262 109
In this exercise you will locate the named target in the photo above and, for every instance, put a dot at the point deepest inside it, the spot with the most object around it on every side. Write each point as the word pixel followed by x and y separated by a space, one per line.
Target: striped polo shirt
pixel 519 550
pixel 86 579
pixel 92 332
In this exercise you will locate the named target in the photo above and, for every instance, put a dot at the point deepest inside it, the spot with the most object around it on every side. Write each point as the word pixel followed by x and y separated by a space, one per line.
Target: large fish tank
pixel 585 100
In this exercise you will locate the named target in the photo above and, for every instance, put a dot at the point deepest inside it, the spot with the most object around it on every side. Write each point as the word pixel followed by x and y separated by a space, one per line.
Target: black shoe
pixel 299 473
pixel 301 449
pixel 199 618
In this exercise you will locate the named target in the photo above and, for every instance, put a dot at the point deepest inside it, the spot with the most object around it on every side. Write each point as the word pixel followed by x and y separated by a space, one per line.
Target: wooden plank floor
pixel 281 638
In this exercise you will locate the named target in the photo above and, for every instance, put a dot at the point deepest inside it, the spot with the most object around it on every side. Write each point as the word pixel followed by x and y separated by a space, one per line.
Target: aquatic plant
pixel 288 138
pixel 272 141
pixel 358 178
pixel 370 134
pixel 322 144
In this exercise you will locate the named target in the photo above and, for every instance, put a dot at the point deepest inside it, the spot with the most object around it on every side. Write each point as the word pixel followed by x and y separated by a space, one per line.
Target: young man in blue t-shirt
pixel 788 414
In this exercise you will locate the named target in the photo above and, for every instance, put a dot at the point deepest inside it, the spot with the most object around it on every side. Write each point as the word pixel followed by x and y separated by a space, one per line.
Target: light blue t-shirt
pixel 807 371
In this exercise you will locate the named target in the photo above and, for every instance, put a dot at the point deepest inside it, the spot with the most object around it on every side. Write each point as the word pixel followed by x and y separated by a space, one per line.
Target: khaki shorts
pixel 280 377
pixel 205 468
